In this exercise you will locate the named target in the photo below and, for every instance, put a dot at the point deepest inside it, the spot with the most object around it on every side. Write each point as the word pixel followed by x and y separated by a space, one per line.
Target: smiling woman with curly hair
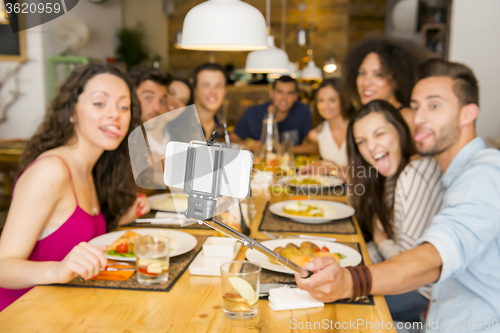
pixel 76 182
pixel 381 68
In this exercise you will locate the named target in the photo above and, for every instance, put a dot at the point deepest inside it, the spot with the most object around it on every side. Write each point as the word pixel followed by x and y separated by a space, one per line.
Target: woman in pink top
pixel 76 176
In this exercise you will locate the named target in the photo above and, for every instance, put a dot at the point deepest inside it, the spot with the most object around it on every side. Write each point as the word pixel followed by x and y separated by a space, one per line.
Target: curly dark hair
pixel 399 59
pixel 372 203
pixel 113 178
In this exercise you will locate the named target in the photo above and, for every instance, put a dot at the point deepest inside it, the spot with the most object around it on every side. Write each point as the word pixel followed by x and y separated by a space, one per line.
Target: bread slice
pixel 127 238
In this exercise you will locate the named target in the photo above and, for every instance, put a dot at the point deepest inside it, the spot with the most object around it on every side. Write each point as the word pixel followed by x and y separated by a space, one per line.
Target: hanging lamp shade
pixel 292 72
pixel 312 72
pixel 178 40
pixel 271 60
pixel 293 69
pixel 224 25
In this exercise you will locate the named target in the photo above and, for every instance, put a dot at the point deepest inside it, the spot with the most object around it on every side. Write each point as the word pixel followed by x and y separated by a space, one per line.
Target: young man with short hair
pixel 290 114
pixel 151 86
pixel 209 83
pixel 460 251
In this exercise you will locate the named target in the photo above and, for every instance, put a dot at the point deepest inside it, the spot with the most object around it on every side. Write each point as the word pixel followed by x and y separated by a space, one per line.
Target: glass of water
pixel 240 289
pixel 153 259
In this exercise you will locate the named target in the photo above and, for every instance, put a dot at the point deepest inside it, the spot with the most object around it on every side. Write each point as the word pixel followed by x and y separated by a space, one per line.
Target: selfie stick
pixel 201 206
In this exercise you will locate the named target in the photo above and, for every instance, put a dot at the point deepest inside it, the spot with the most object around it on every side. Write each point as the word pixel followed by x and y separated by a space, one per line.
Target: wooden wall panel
pixel 366 17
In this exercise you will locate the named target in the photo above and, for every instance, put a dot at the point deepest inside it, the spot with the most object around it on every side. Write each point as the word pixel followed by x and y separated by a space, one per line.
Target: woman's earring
pixel 71 119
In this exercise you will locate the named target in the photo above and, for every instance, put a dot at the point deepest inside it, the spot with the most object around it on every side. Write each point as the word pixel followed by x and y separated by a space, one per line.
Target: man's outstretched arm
pixel 407 271
pixel 400 274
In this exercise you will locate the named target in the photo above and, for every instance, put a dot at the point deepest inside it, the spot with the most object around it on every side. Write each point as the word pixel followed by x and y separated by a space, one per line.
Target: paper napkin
pixel 286 298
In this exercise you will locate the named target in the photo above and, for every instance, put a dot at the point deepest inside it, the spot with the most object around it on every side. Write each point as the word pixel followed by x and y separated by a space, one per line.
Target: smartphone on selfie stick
pixel 207 170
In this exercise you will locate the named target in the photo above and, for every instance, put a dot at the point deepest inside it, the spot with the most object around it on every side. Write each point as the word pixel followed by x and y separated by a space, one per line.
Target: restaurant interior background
pixel 460 30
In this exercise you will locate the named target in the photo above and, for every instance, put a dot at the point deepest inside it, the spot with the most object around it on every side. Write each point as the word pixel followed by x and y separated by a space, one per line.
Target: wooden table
pixel 193 305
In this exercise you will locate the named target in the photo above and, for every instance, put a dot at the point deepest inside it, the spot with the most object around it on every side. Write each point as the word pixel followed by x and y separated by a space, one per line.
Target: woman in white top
pixel 330 134
pixel 395 198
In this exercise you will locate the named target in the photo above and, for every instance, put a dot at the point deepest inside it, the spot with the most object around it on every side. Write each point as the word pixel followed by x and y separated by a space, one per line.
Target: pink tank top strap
pixel 67 167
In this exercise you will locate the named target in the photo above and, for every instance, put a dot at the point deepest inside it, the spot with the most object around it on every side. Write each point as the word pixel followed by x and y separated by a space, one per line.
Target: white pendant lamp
pixel 224 25
pixel 178 40
pixel 292 72
pixel 272 60
pixel 312 72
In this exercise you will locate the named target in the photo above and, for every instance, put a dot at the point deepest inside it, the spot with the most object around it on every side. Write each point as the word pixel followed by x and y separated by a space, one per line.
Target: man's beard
pixel 447 137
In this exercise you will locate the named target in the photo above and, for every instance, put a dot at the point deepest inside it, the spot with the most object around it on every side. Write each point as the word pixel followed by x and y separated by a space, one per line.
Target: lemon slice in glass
pixel 245 289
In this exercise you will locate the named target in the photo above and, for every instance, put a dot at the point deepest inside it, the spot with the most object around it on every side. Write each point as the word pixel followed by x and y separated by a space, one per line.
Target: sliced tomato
pixel 325 249
pixel 122 248
pixel 145 271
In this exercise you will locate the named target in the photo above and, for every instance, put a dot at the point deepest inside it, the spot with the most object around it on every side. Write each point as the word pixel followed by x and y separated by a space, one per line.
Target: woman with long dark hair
pixel 399 195
pixel 179 94
pixel 331 133
pixel 76 182
pixel 381 68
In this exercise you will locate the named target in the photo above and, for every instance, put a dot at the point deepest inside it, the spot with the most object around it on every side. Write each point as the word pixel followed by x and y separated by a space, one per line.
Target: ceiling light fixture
pixel 292 72
pixel 224 25
pixel 312 72
pixel 330 65
pixel 272 60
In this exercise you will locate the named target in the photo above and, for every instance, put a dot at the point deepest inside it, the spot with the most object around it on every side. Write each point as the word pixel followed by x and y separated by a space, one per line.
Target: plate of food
pixel 301 251
pixel 169 202
pixel 121 243
pixel 312 211
pixel 177 202
pixel 310 182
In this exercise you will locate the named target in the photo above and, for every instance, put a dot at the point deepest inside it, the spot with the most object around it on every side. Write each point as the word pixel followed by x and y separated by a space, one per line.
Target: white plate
pixel 169 202
pixel 325 182
pixel 352 257
pixel 185 242
pixel 331 211
pixel 177 203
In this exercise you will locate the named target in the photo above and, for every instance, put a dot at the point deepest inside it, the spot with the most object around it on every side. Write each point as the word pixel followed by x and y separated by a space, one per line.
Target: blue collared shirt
pixel 466 233
pixel 298 120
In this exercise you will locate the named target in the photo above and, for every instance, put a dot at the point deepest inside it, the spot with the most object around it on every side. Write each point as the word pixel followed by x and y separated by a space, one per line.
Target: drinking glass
pixel 240 289
pixel 153 259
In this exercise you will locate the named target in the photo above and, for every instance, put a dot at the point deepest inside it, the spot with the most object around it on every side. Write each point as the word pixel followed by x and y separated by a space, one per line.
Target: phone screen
pixel 235 174
pixel 203 168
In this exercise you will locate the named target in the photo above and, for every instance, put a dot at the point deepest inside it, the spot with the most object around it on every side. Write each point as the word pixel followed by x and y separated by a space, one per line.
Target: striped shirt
pixel 417 199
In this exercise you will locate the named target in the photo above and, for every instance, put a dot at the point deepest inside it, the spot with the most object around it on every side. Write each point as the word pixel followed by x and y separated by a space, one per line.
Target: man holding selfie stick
pixel 460 251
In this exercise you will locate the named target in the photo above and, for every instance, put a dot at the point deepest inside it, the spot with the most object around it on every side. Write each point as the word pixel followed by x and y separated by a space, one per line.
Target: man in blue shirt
pixel 460 251
pixel 290 114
